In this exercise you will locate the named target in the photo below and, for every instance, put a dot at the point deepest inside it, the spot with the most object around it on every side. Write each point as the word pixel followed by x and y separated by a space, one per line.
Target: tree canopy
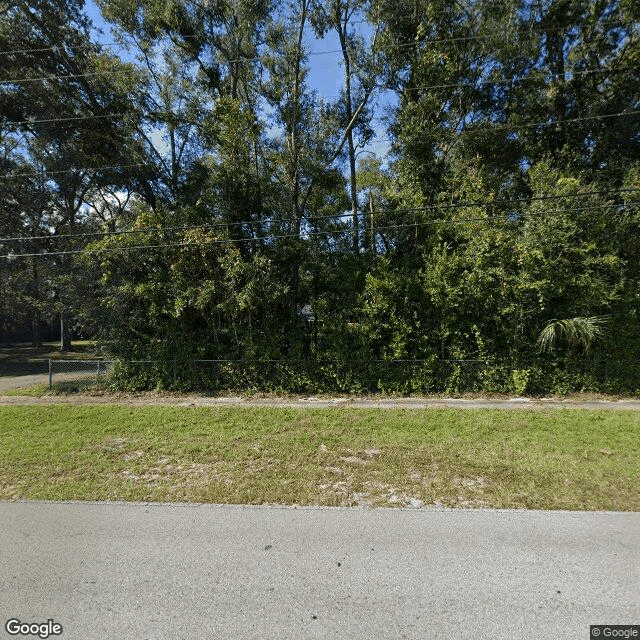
pixel 185 194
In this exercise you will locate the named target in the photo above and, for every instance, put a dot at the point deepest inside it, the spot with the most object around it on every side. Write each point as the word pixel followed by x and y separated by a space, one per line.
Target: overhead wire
pixel 87 117
pixel 302 236
pixel 523 78
pixel 423 87
pixel 36 174
pixel 57 77
pixel 433 207
pixel 511 217
pixel 67 119
pixel 472 128
pixel 492 128
pixel 513 79
pixel 62 47
pixel 255 58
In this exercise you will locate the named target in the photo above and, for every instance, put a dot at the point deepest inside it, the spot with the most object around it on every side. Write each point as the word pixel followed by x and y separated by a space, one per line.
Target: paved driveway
pixel 136 571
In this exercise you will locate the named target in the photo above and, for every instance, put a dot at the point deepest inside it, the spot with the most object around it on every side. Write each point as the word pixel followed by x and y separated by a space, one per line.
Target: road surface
pixel 146 571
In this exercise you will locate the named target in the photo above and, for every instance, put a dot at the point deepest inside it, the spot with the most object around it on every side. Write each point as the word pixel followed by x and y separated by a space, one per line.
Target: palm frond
pixel 575 332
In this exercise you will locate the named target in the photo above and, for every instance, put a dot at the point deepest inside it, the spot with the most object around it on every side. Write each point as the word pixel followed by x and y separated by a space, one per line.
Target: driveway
pixel 148 571
pixel 8 383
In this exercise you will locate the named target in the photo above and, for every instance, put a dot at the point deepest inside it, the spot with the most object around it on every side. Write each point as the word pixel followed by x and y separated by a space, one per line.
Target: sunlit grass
pixel 33 390
pixel 61 387
pixel 544 459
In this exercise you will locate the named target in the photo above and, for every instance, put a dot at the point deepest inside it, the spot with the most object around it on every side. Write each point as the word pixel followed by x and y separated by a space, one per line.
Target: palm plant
pixel 575 332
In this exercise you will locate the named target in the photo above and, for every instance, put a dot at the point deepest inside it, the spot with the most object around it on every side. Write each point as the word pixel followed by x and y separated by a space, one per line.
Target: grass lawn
pixel 33 391
pixel 543 459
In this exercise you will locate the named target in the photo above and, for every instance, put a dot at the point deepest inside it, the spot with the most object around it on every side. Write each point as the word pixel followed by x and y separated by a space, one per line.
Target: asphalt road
pixel 135 571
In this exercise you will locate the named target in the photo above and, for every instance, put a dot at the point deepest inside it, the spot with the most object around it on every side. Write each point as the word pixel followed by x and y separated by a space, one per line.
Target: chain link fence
pixel 78 371
pixel 433 376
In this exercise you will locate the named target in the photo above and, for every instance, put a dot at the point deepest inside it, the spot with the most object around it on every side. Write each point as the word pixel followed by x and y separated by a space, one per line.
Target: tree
pixel 361 74
pixel 59 84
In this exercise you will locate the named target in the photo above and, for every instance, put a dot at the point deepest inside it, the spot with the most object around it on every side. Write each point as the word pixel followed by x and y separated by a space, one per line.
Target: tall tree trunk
pixel 297 205
pixel 341 25
pixel 36 339
pixel 65 332
pixel 372 228
pixel 354 191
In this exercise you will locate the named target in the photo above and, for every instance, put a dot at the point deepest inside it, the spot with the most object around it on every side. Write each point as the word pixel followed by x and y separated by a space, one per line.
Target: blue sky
pixel 325 75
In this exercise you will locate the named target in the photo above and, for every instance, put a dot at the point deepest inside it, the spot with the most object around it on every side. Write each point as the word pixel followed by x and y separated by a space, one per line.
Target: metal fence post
pixel 50 375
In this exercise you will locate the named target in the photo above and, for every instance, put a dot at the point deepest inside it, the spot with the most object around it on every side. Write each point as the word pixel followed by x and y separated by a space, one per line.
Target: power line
pixel 188 244
pixel 525 30
pixel 470 128
pixel 196 245
pixel 518 78
pixel 57 77
pixel 560 122
pixel 82 170
pixel 459 205
pixel 506 218
pixel 235 223
pixel 210 242
pixel 90 45
pixel 60 47
pixel 420 87
pixel 492 128
pixel 69 119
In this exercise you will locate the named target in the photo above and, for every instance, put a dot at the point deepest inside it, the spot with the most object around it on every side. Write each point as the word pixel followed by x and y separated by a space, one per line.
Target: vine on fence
pixel 364 376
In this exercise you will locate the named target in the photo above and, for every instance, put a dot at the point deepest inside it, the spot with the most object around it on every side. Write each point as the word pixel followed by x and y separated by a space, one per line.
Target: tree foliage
pixel 223 209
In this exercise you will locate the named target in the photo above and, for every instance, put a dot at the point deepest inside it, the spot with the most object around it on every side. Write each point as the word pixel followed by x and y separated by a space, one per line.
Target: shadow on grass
pixel 24 360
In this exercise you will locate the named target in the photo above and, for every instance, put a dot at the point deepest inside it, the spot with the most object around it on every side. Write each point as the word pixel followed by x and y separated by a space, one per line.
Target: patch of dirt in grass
pixel 114 444
pixel 126 473
pixel 470 483
pixel 258 466
pixel 175 476
pixel 136 455
pixel 13 492
pixel 336 470
pixel 360 458
pixel 473 503
pixel 369 494
pixel 193 474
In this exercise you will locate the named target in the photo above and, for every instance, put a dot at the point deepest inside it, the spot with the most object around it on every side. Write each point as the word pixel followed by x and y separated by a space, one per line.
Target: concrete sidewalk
pixel 311 402
pixel 136 571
